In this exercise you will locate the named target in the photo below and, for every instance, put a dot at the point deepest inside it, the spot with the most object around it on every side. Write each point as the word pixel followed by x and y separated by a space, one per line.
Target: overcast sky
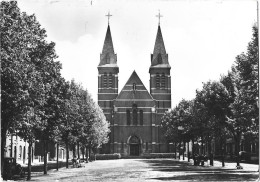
pixel 202 38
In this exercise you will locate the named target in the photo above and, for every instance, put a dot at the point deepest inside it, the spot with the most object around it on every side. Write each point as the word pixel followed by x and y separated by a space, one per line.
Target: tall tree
pixel 169 124
pixel 100 128
pixel 64 113
pixel 28 72
pixel 215 99
pixel 176 123
pixel 242 84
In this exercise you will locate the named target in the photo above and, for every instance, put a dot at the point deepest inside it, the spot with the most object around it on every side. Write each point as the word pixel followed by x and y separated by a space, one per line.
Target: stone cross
pixel 159 16
pixel 108 16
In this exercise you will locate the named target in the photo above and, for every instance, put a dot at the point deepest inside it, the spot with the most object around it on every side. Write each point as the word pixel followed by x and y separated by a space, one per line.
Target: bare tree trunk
pixel 175 148
pixel 11 152
pixel 78 150
pixel 29 160
pixel 24 154
pixel 57 157
pixel 87 154
pixel 202 147
pixel 180 150
pixel 188 151
pixel 210 154
pixel 83 152
pixel 45 157
pixel 193 152
pixel 237 141
pixel 67 154
pixel 89 150
pixel 73 150
pixel 223 152
pixel 3 143
pixel 183 150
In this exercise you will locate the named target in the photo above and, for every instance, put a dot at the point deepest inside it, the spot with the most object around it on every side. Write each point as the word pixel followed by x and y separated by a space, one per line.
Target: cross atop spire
pixel 159 16
pixel 108 16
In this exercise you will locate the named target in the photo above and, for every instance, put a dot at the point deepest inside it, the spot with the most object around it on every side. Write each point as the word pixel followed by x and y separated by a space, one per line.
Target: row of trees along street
pixel 37 102
pixel 221 109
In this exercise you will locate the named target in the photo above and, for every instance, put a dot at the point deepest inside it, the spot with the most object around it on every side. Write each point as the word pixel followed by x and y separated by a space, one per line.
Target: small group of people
pixel 76 162
pixel 199 159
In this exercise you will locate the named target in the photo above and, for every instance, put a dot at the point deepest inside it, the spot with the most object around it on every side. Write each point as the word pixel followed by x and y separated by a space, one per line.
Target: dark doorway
pixel 134 149
pixel 134 144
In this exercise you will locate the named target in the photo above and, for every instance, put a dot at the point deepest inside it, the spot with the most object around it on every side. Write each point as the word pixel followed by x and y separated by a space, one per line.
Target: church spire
pixel 108 55
pixel 108 43
pixel 159 43
pixel 159 55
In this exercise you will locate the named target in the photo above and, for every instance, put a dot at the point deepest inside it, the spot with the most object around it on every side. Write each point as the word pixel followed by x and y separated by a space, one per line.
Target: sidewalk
pixel 152 170
pixel 228 165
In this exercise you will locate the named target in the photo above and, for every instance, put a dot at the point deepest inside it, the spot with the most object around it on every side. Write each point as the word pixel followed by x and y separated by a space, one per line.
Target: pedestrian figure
pixel 74 161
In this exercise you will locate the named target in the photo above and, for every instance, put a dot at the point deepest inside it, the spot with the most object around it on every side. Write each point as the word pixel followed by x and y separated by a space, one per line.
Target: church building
pixel 135 113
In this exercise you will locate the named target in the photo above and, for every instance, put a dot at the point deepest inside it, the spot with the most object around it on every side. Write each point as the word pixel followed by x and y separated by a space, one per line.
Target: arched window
pixel 135 114
pixel 134 86
pixel 105 80
pixel 141 117
pixel 157 80
pixel 110 83
pixel 163 81
pixel 128 120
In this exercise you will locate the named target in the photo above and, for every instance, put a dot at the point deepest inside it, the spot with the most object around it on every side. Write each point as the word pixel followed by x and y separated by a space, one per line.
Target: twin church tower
pixel 134 113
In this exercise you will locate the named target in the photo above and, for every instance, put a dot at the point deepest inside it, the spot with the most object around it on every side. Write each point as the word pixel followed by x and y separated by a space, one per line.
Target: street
pixel 150 170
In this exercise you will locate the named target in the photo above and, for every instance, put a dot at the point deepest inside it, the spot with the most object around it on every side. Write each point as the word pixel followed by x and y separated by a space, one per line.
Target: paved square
pixel 150 170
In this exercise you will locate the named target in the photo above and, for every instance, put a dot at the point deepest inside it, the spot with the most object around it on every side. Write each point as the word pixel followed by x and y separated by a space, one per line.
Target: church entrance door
pixel 134 144
pixel 134 149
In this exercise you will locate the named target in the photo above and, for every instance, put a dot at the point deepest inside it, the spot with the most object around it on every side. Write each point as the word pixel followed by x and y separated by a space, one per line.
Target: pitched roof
pixel 128 92
pixel 159 55
pixel 108 56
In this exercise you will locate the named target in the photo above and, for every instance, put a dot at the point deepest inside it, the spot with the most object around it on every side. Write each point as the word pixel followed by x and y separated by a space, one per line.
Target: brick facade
pixel 134 114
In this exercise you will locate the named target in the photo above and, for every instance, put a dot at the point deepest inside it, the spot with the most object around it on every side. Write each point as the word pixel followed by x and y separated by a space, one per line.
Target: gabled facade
pixel 135 114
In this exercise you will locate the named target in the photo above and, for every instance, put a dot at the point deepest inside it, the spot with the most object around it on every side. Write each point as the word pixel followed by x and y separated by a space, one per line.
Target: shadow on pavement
pixel 182 170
